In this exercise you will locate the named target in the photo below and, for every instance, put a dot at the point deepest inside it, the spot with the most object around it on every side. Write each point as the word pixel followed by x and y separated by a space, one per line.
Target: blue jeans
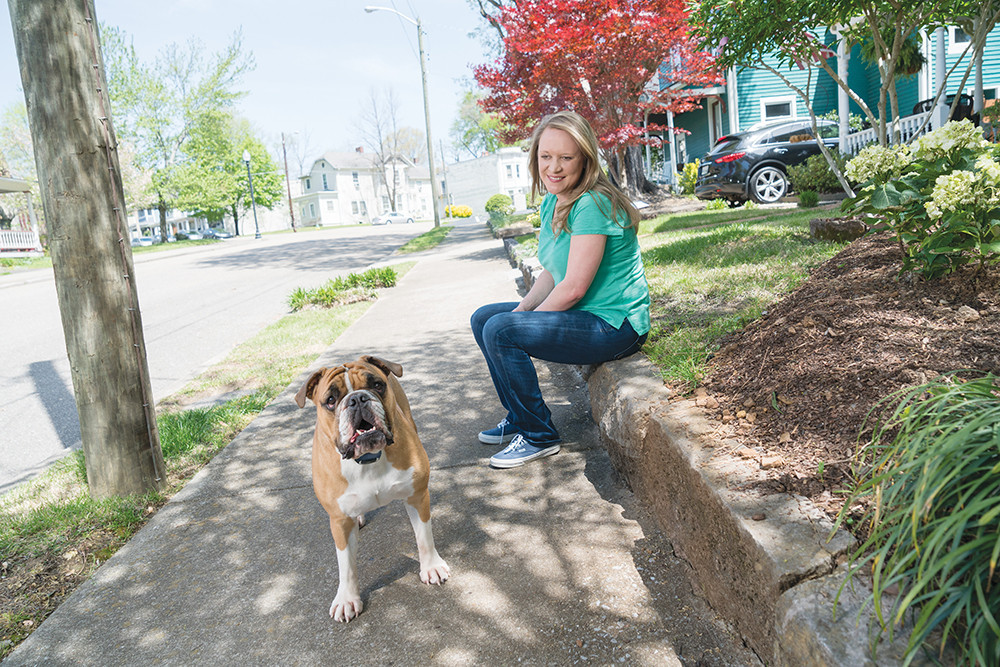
pixel 509 340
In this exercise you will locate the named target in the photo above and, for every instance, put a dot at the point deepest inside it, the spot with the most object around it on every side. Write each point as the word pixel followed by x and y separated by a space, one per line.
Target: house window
pixel 329 205
pixel 356 179
pixel 312 210
pixel 777 108
pixel 308 185
pixel 363 207
pixel 385 203
pixel 517 170
pixel 142 215
pixel 326 185
pixel 354 208
pixel 510 171
pixel 304 212
pixel 958 40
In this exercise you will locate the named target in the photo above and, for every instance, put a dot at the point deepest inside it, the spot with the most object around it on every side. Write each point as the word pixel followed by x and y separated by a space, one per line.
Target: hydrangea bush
pixel 940 196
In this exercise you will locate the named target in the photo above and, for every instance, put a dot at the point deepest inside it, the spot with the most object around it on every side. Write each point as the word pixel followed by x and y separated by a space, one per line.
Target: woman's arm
pixel 539 290
pixel 585 254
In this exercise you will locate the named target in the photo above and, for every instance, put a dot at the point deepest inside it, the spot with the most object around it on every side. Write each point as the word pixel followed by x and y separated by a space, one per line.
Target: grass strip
pixel 711 281
pixel 426 241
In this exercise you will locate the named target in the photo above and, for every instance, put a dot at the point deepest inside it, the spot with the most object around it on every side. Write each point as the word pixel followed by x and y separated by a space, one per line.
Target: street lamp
pixel 427 108
pixel 288 183
pixel 246 158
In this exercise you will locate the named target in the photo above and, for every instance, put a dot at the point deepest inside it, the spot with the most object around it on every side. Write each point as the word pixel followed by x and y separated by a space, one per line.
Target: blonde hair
pixel 592 177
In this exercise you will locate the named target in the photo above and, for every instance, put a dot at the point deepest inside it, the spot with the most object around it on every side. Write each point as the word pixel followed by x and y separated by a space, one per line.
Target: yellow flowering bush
pixel 458 211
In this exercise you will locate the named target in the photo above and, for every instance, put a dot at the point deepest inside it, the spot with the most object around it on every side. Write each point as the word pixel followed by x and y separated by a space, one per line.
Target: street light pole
pixel 253 202
pixel 288 183
pixel 427 108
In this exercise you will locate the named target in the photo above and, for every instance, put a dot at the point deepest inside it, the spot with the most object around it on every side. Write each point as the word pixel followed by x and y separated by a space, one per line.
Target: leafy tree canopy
pixel 475 130
pixel 597 57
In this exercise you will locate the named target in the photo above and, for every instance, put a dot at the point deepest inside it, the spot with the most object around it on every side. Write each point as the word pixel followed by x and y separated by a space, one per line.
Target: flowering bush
pixel 941 197
pixel 878 163
pixel 458 211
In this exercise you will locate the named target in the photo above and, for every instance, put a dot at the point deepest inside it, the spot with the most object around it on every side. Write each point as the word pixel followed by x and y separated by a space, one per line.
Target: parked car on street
pixel 215 234
pixel 389 217
pixel 189 235
pixel 754 164
pixel 142 240
pixel 170 239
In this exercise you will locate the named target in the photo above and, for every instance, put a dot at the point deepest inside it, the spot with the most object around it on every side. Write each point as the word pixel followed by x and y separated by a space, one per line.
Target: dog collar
pixel 370 457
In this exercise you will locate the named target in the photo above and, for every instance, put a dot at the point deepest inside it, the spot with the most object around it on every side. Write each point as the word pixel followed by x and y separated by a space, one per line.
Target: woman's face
pixel 560 162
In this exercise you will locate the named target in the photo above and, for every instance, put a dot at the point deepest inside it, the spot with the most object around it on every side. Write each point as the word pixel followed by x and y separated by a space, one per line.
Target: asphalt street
pixel 197 304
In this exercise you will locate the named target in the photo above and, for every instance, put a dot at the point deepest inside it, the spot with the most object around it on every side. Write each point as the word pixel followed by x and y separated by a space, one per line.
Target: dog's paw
pixel 435 572
pixel 345 607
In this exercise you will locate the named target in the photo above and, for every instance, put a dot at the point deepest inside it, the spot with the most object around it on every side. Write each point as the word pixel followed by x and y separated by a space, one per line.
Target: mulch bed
pixel 797 386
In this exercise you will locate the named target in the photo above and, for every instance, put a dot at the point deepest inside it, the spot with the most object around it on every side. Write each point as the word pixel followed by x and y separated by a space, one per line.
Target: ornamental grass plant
pixel 930 479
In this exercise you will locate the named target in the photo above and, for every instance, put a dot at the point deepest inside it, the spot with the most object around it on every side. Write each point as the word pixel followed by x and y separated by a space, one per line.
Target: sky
pixel 317 62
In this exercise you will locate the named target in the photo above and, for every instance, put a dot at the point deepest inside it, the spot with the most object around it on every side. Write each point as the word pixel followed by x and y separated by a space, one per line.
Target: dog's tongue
pixel 361 432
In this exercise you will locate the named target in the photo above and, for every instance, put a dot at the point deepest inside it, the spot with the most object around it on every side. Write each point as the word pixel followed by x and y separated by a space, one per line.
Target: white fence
pixel 17 243
pixel 909 127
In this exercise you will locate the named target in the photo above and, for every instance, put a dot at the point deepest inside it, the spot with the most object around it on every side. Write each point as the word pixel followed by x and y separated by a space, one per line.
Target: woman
pixel 589 305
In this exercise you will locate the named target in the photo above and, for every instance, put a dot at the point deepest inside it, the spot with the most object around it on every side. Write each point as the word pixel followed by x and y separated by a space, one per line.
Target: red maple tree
pixel 600 59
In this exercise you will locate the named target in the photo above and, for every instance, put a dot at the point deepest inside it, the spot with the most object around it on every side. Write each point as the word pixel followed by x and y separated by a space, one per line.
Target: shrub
pixel 933 495
pixel 808 199
pixel 688 177
pixel 750 205
pixel 815 174
pixel 458 211
pixel 940 197
pixel 716 205
pixel 535 219
pixel 499 206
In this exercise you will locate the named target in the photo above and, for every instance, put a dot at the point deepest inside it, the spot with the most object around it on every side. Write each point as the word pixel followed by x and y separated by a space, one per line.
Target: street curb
pixel 771 565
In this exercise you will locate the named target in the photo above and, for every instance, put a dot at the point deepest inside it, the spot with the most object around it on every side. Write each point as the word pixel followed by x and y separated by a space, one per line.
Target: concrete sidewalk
pixel 552 563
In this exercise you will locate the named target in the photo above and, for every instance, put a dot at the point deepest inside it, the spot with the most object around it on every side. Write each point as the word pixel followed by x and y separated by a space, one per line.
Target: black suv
pixel 754 164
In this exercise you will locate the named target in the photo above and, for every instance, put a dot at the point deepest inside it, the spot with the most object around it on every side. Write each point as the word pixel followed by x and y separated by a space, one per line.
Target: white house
pixel 472 182
pixel 342 188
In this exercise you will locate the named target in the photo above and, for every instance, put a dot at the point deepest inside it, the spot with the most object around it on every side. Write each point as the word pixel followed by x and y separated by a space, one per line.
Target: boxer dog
pixel 365 454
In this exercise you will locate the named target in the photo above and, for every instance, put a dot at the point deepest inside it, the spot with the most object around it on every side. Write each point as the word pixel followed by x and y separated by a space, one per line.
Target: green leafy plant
pixel 855 122
pixel 499 206
pixel 808 199
pixel 716 205
pixel 930 478
pixel 688 177
pixel 941 198
pixel 343 290
pixel 815 174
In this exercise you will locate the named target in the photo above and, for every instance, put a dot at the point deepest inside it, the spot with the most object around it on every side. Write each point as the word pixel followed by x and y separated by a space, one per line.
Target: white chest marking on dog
pixel 373 485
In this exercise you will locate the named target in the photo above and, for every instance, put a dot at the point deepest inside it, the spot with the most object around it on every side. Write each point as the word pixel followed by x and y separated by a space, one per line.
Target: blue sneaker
pixel 519 452
pixel 500 434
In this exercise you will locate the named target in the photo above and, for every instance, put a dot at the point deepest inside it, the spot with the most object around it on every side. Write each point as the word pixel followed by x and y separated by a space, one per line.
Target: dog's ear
pixel 307 389
pixel 386 366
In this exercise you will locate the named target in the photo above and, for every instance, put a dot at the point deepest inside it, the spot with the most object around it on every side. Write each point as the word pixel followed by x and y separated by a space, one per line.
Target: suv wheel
pixel 768 185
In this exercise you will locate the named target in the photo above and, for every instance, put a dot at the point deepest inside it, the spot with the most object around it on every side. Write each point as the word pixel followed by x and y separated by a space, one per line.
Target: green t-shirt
pixel 619 289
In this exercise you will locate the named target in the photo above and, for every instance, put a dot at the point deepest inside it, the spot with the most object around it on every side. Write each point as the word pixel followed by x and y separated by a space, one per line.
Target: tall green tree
pixel 157 105
pixel 473 129
pixel 213 179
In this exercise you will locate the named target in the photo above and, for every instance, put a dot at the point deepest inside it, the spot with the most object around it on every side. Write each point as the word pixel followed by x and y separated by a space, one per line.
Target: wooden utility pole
pixel 65 90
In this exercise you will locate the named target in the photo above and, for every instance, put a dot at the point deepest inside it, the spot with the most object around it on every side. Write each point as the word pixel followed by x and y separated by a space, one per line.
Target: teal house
pixel 752 96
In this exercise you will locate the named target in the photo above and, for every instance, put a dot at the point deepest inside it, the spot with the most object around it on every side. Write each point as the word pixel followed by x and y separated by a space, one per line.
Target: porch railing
pixel 19 243
pixel 909 127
